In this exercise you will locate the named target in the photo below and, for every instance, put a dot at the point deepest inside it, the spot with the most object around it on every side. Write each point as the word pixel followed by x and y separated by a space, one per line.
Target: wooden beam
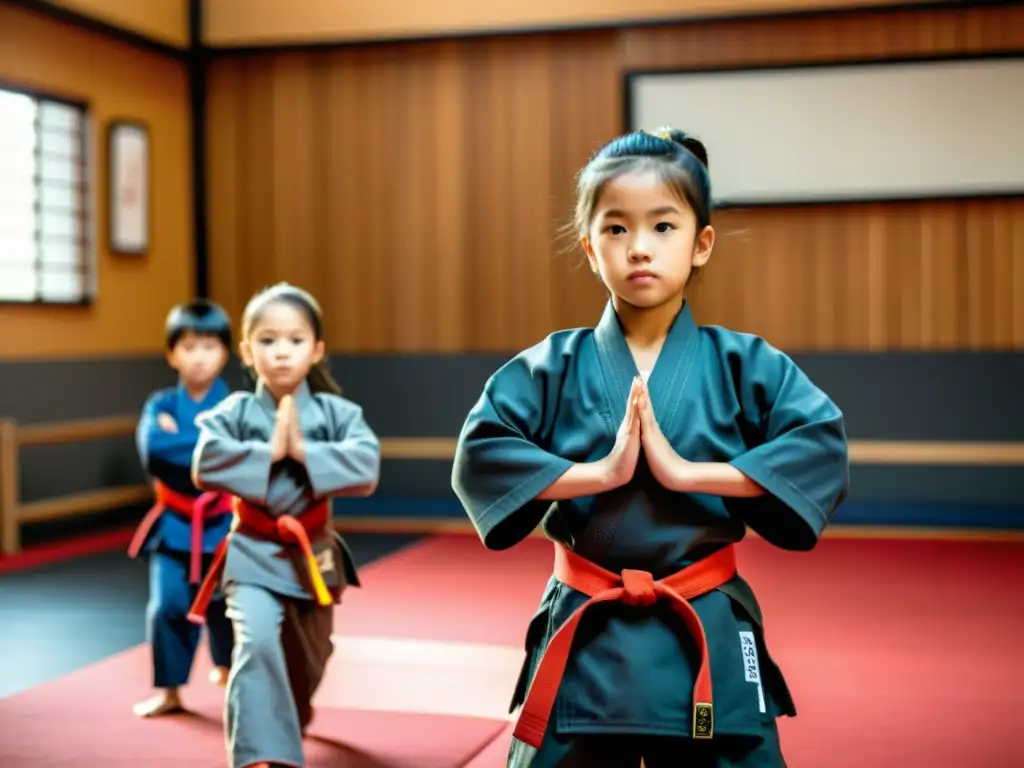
pixel 925 453
pixel 83 503
pixel 898 452
pixel 10 538
pixel 80 430
pixel 936 453
pixel 13 437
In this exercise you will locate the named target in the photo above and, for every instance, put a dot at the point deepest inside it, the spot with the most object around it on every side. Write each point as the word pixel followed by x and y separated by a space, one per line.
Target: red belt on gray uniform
pixel 287 530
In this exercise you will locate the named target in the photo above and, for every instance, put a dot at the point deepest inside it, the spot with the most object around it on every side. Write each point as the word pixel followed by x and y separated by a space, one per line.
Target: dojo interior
pixel 412 164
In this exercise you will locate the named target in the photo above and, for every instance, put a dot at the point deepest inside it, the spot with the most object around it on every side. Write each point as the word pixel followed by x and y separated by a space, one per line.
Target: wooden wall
pixel 418 190
pixel 239 23
pixel 165 21
pixel 117 80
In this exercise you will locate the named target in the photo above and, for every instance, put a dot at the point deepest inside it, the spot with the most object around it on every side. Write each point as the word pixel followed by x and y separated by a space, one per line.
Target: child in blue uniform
pixel 646 446
pixel 181 532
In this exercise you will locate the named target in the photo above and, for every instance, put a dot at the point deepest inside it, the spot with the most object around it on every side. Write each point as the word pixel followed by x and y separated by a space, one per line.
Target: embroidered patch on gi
pixel 751 668
pixel 325 561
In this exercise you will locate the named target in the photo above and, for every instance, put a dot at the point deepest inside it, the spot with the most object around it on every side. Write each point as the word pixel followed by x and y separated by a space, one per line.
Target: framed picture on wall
pixel 128 172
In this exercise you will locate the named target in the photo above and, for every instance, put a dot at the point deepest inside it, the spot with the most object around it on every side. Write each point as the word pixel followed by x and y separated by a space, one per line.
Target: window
pixel 45 232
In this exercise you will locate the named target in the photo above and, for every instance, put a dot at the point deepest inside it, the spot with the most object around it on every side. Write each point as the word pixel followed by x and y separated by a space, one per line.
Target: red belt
pixel 195 510
pixel 632 588
pixel 287 530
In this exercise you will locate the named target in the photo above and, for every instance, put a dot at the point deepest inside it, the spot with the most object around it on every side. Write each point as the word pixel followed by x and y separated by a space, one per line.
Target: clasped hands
pixel 287 440
pixel 639 429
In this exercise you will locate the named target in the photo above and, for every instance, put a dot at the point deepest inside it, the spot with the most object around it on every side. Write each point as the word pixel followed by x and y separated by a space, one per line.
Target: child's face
pixel 282 347
pixel 198 358
pixel 643 241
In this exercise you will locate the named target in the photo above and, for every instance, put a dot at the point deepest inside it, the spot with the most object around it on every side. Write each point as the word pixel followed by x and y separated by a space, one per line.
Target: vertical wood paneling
pixel 224 133
pixel 585 113
pixel 295 171
pixel 421 190
pixel 875 277
pixel 342 191
pixel 1016 248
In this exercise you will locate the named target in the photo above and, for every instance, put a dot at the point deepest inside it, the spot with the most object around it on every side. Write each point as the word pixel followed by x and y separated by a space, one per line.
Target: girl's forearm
pixel 584 479
pixel 715 479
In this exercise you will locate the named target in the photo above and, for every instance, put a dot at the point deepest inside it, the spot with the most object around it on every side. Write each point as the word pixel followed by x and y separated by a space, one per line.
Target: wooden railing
pixel 14 513
pixel 13 437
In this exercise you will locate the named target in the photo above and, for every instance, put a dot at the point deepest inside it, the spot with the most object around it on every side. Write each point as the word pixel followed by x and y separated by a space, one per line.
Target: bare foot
pixel 164 703
pixel 219 675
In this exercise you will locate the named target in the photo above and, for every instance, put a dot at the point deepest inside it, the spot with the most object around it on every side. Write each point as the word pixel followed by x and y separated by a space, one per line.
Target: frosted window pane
pixel 61 285
pixel 61 197
pixel 58 226
pixel 17 283
pixel 17 151
pixel 59 118
pixel 18 216
pixel 58 170
pixel 19 113
pixel 60 255
pixel 18 251
pixel 17 133
pixel 43 228
pixel 63 146
pixel 18 168
pixel 14 229
pixel 16 192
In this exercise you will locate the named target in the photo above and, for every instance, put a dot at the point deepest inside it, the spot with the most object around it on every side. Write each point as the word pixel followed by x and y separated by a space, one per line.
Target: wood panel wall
pixel 165 21
pixel 263 23
pixel 419 190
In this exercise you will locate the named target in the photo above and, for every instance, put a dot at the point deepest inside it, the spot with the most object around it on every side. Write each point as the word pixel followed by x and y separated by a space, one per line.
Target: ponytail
pixel 321 380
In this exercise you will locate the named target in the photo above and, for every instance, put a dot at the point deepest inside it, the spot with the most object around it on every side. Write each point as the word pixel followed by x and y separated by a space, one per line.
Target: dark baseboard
pixel 443 515
pixel 44 533
pixel 927 397
pixel 444 511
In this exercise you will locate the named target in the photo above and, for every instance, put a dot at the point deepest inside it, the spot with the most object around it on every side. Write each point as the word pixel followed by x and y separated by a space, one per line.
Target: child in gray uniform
pixel 283 452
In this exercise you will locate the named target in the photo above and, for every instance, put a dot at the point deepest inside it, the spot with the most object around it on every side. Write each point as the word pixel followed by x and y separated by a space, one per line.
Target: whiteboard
pixel 850 132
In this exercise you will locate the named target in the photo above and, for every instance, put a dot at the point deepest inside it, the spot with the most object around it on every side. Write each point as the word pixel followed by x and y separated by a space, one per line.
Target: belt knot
pixel 290 529
pixel 638 587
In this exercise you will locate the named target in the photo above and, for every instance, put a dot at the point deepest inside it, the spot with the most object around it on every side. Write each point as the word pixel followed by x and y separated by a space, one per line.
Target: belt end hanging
pixel 530 730
pixel 320 591
pixel 703 720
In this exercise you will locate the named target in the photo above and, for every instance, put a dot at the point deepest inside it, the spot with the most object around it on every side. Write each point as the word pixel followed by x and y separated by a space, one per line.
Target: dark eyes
pixel 618 229
pixel 265 341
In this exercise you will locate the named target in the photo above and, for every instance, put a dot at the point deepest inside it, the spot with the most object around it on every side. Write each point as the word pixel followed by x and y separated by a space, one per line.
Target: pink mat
pixel 864 629
pixel 449 588
pixel 901 654
pixel 495 754
pixel 379 702
pixel 85 719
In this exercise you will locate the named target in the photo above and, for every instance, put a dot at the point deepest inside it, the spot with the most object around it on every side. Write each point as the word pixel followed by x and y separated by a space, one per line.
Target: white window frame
pixel 49 261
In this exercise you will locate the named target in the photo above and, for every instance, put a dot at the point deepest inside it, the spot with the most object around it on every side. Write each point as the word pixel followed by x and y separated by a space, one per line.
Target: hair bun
pixel 690 143
pixel 664 133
